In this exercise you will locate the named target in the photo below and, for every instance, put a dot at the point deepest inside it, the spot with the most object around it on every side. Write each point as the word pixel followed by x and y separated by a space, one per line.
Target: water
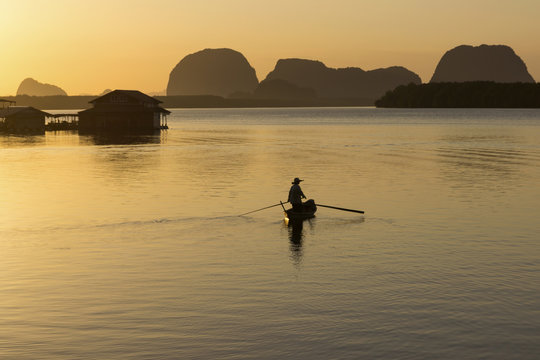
pixel 130 247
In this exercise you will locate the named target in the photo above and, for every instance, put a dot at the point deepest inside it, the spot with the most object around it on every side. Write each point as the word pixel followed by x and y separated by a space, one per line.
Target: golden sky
pixel 88 46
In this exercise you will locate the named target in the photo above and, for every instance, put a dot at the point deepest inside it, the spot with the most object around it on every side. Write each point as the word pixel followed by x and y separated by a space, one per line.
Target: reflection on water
pixel 65 137
pixel 20 140
pixel 486 163
pixel 218 136
pixel 474 162
pixel 127 247
pixel 151 137
pixel 296 238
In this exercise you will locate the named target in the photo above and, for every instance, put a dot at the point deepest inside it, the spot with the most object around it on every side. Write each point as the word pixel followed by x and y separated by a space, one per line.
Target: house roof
pixel 17 109
pixel 125 110
pixel 135 94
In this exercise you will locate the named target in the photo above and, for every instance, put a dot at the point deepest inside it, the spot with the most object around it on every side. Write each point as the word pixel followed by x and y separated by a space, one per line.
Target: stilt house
pixel 22 118
pixel 123 110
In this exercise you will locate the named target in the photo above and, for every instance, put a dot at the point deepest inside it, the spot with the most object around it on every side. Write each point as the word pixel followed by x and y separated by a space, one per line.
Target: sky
pixel 86 47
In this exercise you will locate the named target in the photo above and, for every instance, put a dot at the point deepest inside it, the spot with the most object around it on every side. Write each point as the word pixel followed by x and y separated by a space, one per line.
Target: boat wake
pixel 115 225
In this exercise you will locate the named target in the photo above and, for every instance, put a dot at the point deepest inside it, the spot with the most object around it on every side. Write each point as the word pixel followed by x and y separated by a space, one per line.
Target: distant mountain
pixel 341 83
pixel 32 87
pixel 281 89
pixel 212 72
pixel 498 63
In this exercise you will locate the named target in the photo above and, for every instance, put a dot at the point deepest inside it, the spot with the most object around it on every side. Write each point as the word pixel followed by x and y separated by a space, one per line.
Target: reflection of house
pixel 22 118
pixel 127 110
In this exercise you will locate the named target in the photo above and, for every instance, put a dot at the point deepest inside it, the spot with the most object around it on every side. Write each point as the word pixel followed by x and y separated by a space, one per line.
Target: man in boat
pixel 296 195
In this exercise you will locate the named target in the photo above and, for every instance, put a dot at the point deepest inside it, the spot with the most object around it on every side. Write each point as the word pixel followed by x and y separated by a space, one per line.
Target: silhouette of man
pixel 296 195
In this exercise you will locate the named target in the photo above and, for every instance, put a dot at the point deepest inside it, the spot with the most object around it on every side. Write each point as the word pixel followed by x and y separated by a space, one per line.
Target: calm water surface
pixel 131 248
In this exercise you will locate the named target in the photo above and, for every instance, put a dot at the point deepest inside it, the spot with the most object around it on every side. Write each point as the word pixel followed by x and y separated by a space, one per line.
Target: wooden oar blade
pixel 343 209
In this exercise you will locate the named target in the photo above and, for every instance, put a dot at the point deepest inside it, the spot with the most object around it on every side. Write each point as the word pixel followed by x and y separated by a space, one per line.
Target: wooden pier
pixel 58 122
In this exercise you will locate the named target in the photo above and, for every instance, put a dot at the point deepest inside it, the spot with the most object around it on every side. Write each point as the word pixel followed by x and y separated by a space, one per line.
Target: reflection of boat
pixel 296 239
pixel 309 211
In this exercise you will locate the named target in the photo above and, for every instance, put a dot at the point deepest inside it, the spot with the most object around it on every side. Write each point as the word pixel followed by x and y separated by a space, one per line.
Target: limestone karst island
pixel 466 76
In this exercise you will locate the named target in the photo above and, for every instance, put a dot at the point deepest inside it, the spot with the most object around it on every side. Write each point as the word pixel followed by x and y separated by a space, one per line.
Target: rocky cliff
pixel 32 87
pixel 497 63
pixel 343 83
pixel 281 89
pixel 212 72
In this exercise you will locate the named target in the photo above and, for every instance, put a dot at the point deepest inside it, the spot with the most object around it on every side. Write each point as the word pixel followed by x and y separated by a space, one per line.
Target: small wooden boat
pixel 309 211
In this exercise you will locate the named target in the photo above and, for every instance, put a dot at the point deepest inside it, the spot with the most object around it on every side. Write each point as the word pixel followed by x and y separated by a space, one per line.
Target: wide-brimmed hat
pixel 296 181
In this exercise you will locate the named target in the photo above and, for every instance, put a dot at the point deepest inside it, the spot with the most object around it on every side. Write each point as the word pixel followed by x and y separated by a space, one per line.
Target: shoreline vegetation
pixel 472 94
pixel 62 102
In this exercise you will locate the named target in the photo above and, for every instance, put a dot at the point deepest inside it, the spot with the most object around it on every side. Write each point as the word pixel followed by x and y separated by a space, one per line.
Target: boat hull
pixel 309 212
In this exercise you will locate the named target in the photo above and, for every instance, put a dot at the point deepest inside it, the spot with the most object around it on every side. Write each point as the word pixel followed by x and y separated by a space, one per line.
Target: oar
pixel 338 208
pixel 268 207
